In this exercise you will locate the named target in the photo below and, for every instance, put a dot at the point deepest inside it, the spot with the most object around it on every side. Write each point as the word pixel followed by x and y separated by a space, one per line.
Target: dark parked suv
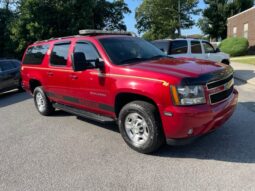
pixel 9 75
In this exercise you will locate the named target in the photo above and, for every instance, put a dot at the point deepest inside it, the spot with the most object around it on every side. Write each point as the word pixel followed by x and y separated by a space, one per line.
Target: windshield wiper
pixel 158 57
pixel 130 60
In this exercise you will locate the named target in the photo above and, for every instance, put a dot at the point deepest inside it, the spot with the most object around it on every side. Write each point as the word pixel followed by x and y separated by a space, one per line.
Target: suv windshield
pixel 124 50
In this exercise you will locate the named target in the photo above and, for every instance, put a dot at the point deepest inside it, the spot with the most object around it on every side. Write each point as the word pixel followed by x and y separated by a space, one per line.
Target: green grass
pixel 244 59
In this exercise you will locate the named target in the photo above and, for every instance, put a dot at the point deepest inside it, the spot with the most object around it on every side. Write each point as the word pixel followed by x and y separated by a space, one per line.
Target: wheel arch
pixel 225 61
pixel 34 83
pixel 123 98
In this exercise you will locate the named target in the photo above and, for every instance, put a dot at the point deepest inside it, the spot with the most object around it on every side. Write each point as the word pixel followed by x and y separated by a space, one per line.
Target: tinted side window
pixel 35 54
pixel 196 47
pixel 162 45
pixel 88 50
pixel 7 65
pixel 179 47
pixel 208 48
pixel 59 54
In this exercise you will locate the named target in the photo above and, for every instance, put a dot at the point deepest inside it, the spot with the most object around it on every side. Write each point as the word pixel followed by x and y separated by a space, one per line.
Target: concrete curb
pixel 244 72
pixel 243 80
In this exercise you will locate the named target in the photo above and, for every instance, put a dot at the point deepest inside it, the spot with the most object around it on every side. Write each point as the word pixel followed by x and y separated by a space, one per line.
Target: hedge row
pixel 234 46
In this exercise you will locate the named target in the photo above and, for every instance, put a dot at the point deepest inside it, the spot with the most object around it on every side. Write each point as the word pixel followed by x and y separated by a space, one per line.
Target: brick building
pixel 243 25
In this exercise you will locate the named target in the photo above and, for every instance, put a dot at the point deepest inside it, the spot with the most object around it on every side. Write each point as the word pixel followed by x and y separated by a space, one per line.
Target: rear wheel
pixel 140 126
pixel 42 103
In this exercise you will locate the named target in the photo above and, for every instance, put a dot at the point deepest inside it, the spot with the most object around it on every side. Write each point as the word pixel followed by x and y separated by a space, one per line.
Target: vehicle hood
pixel 223 55
pixel 181 67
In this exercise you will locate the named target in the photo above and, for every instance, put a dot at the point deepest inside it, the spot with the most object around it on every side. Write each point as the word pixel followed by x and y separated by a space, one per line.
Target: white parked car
pixel 192 48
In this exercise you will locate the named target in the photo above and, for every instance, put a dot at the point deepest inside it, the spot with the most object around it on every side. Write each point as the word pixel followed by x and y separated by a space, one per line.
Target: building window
pixel 245 30
pixel 234 31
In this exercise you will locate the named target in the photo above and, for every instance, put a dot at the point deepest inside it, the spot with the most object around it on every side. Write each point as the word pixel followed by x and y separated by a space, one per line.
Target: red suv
pixel 116 77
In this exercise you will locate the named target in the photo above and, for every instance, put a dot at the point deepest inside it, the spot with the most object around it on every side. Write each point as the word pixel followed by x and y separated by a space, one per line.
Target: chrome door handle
pixel 50 74
pixel 73 77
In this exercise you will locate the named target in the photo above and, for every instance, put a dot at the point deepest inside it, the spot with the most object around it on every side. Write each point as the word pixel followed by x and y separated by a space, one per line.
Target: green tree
pixel 6 17
pixel 237 6
pixel 110 15
pixel 43 19
pixel 149 36
pixel 214 21
pixel 160 18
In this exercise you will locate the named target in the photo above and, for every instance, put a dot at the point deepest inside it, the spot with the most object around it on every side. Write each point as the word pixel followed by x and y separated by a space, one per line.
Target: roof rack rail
pixel 56 38
pixel 92 32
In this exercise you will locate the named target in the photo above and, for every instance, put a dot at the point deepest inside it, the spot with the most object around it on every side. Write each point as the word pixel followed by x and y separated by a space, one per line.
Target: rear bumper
pixel 25 86
pixel 188 123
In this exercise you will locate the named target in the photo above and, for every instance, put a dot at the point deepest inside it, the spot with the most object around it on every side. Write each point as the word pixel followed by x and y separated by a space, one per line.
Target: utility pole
pixel 179 18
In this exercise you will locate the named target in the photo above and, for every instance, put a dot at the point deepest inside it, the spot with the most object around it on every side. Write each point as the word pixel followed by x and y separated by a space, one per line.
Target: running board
pixel 84 114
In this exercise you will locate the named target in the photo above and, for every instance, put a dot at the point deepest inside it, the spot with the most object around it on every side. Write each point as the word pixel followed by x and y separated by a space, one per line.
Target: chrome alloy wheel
pixel 136 129
pixel 40 102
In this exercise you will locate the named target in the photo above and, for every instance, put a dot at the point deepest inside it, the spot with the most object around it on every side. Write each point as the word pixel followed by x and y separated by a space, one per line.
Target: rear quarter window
pixel 35 54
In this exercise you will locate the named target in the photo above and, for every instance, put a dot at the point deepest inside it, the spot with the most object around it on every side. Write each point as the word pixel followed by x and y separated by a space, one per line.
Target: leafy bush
pixel 234 46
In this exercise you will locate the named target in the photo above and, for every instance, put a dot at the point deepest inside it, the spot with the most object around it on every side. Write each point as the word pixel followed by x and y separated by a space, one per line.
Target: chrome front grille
pixel 220 90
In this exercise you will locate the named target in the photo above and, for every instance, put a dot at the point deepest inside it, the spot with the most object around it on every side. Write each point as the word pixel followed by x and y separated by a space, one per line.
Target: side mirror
pixel 99 63
pixel 162 49
pixel 217 50
pixel 79 61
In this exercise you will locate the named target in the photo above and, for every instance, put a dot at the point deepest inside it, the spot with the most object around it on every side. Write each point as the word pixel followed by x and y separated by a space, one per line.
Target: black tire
pixel 227 62
pixel 150 115
pixel 47 109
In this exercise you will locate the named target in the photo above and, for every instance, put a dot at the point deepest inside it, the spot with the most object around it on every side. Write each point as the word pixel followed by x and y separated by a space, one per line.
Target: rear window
pixel 35 54
pixel 179 47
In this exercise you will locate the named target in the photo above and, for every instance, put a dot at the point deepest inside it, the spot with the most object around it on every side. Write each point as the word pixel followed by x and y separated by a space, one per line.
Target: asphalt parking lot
pixel 62 152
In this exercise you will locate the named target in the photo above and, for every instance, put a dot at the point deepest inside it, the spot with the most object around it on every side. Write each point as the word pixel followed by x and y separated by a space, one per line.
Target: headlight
pixel 188 95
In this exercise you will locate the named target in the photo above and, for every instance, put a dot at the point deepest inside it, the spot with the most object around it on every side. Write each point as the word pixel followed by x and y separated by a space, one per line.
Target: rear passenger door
pixel 58 71
pixel 178 48
pixel 196 49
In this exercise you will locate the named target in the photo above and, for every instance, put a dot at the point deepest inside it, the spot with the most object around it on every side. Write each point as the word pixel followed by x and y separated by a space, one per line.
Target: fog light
pixel 190 132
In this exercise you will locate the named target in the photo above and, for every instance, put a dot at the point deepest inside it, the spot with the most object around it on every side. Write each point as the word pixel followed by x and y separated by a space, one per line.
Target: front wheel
pixel 225 61
pixel 140 126
pixel 42 103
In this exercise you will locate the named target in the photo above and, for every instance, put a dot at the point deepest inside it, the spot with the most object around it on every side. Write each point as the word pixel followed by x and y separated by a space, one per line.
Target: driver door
pixel 210 52
pixel 87 89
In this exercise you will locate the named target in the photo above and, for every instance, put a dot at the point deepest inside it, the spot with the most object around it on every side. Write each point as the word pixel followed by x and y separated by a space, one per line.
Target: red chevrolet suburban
pixel 116 77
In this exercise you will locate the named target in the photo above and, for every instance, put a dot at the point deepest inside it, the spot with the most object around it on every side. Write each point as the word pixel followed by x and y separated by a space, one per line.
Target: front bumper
pixel 199 120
